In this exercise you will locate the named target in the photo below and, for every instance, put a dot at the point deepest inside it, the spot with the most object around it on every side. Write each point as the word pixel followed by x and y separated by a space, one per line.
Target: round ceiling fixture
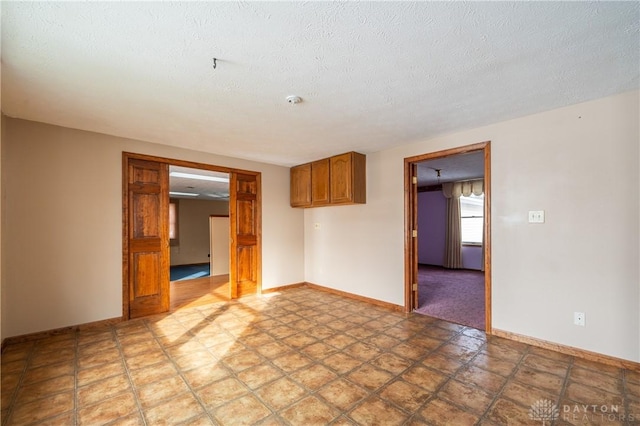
pixel 293 99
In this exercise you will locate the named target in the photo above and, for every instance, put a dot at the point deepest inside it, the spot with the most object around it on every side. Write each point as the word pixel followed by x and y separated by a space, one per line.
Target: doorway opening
pixel 198 236
pixel 448 235
pixel 148 234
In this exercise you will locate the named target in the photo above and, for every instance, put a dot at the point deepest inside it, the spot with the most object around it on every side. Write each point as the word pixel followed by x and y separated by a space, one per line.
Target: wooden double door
pixel 146 233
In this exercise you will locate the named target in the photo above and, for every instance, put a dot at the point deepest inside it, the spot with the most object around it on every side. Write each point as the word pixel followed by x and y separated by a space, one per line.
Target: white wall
pixel 580 164
pixel 62 229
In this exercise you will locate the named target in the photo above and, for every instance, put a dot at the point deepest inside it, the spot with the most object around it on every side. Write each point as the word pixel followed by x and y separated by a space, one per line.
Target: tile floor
pixel 303 357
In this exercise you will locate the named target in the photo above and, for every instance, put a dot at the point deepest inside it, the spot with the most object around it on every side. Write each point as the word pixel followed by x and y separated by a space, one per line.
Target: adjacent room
pixel 451 284
pixel 198 236
pixel 319 213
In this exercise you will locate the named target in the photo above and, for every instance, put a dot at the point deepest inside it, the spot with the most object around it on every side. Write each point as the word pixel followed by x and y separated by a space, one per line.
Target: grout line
pixel 19 384
pixel 127 371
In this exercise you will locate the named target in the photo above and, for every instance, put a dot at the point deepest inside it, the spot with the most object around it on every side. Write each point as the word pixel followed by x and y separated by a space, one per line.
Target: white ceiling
pixel 206 189
pixel 372 75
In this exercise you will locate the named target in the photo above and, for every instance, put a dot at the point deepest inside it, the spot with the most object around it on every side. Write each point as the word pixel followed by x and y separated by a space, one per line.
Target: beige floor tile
pixel 221 392
pixel 300 356
pixel 156 392
pixel 425 378
pixel 314 377
pixel 257 376
pixel 146 375
pixel 539 379
pixel 343 394
pixel 310 411
pixel 103 389
pixel 42 409
pixel 405 395
pixel 242 360
pixel 496 365
pixel 174 411
pixel 370 377
pixel 45 389
pixel 377 411
pixel 506 412
pixel 247 410
pixel 491 382
pixel 47 372
pixel 468 396
pixel 281 393
pixel 292 361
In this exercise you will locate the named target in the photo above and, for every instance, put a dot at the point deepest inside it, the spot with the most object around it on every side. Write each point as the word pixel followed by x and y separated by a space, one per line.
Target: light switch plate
pixel 536 216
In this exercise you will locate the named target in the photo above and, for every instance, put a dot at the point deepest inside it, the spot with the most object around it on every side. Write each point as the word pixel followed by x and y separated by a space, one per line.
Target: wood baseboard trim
pixel 282 288
pixel 376 302
pixel 569 350
pixel 58 331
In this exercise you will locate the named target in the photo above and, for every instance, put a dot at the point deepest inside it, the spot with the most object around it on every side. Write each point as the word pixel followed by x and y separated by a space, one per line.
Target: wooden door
pixel 148 237
pixel 414 236
pixel 244 215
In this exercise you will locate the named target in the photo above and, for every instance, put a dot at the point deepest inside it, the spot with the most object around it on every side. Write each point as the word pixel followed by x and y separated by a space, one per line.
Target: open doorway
pixel 146 242
pixel 447 251
pixel 199 236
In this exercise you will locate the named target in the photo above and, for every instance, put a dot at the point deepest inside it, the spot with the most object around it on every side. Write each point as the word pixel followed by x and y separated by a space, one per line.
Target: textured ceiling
pixel 453 168
pixel 372 75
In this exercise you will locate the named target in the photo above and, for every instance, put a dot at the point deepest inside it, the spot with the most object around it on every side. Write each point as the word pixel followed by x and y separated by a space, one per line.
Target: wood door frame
pixel 182 163
pixel 411 217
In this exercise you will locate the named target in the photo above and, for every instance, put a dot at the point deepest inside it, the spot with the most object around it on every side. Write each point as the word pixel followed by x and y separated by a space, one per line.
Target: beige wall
pixel 193 226
pixel 62 225
pixel 580 165
pixel 61 235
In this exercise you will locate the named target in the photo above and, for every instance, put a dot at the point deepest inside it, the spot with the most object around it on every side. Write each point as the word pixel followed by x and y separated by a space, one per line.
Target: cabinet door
pixel 320 182
pixel 301 185
pixel 341 178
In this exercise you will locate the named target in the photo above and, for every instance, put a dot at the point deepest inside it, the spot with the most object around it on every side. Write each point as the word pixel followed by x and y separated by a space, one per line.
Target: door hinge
pixel 414 234
pixel 415 180
pixel 415 287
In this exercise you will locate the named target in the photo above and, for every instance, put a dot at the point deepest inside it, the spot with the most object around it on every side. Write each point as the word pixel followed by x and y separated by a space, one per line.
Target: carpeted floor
pixel 452 295
pixel 189 272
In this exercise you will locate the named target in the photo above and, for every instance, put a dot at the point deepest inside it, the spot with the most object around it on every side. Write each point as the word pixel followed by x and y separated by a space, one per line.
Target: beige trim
pixel 569 350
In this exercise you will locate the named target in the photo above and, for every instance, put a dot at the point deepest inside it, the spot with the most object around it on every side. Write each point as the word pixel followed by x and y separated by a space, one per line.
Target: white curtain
pixel 453 244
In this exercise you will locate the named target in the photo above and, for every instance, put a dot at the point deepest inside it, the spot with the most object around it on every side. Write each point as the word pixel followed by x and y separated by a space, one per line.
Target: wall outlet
pixel 316 225
pixel 578 318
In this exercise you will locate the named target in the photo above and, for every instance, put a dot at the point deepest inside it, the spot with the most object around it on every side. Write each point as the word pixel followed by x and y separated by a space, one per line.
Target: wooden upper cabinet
pixel 301 185
pixel 320 183
pixel 348 178
pixel 337 180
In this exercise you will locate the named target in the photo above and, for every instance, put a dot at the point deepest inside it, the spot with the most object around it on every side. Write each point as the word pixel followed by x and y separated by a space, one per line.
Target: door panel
pixel 145 275
pixel 244 214
pixel 148 239
pixel 340 178
pixel 320 182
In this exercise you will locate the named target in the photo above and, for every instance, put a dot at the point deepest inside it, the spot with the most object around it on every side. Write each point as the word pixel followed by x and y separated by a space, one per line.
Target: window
pixel 173 223
pixel 472 218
